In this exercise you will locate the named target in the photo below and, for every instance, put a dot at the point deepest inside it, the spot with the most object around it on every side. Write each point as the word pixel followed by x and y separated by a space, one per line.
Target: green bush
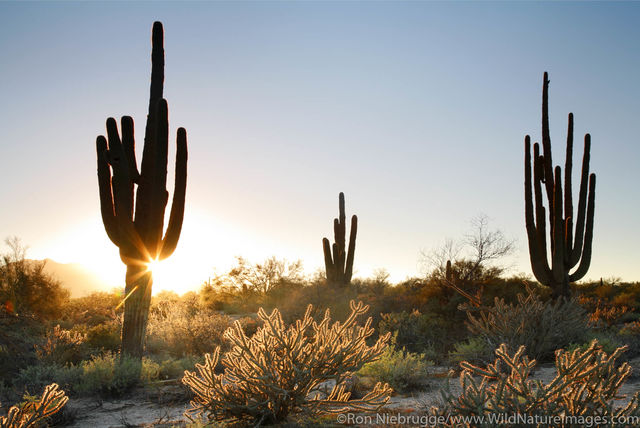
pixel 421 333
pixel 586 385
pixel 18 333
pixel 172 368
pixel 474 349
pixel 36 377
pixel 110 375
pixel 103 375
pixel 402 370
pixel 105 336
pixel 541 327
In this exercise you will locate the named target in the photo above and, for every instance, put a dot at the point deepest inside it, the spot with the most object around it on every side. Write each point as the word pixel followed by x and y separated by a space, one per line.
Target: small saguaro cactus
pixel 568 246
pixel 339 265
pixel 138 233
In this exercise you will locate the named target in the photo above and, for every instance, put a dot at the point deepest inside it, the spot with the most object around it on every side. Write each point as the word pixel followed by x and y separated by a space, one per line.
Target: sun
pixel 154 266
pixel 203 245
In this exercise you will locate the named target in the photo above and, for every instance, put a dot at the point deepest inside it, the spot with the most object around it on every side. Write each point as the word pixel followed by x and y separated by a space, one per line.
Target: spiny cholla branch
pixel 34 414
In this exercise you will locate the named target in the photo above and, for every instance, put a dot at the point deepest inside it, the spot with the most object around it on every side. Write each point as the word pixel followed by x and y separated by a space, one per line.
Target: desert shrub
pixel 586 385
pixel 606 341
pixel 540 326
pixel 103 375
pixel 34 413
pixel 25 287
pixel 630 335
pixel 180 328
pixel 18 333
pixel 171 368
pixel 92 310
pixel 474 349
pixel 60 347
pixel 104 336
pixel 401 369
pixel 421 333
pixel 602 312
pixel 36 377
pixel 274 373
pixel 111 375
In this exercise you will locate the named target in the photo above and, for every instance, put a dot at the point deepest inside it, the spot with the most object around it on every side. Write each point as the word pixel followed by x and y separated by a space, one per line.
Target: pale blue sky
pixel 417 111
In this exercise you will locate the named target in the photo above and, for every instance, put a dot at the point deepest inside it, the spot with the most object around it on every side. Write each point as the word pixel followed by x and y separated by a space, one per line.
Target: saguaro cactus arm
pixel 174 228
pixel 339 265
pixel 535 227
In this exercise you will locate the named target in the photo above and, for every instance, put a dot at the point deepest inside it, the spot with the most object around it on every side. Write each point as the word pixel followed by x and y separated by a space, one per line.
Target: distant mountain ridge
pixel 76 278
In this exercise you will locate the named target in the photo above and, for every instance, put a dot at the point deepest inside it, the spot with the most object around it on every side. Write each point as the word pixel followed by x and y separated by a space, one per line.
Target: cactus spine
pixel 339 265
pixel 138 234
pixel 567 249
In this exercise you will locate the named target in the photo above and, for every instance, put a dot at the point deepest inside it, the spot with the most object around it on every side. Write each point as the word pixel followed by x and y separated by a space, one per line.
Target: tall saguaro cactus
pixel 568 245
pixel 338 262
pixel 138 233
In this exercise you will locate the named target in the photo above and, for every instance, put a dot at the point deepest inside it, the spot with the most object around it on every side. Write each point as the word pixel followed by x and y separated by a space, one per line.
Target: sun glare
pixel 154 266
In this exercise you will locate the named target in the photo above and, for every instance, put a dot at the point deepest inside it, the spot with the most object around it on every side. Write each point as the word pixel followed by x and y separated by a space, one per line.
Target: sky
pixel 417 111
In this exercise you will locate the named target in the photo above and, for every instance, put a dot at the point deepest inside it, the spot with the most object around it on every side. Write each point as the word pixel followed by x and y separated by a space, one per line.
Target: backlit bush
pixel 182 328
pixel 286 369
pixel 61 346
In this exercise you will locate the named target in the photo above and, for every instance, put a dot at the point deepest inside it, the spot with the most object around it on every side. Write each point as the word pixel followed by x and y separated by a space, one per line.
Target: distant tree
pixel 247 285
pixel 474 258
pixel 25 287
pixel 263 277
pixel 376 284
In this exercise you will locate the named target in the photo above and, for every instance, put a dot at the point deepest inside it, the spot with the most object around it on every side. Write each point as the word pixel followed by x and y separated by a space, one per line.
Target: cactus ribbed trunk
pixel 569 247
pixel 136 310
pixel 138 232
pixel 337 259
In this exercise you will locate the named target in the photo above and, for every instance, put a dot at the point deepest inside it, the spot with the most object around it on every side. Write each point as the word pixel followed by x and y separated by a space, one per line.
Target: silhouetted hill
pixel 79 280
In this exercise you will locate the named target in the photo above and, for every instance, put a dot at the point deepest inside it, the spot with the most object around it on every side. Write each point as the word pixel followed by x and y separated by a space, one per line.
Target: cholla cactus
pixel 34 414
pixel 60 345
pixel 586 385
pixel 282 369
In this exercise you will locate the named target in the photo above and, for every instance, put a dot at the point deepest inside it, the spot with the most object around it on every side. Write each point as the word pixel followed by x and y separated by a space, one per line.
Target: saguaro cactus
pixel 139 234
pixel 339 265
pixel 568 246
